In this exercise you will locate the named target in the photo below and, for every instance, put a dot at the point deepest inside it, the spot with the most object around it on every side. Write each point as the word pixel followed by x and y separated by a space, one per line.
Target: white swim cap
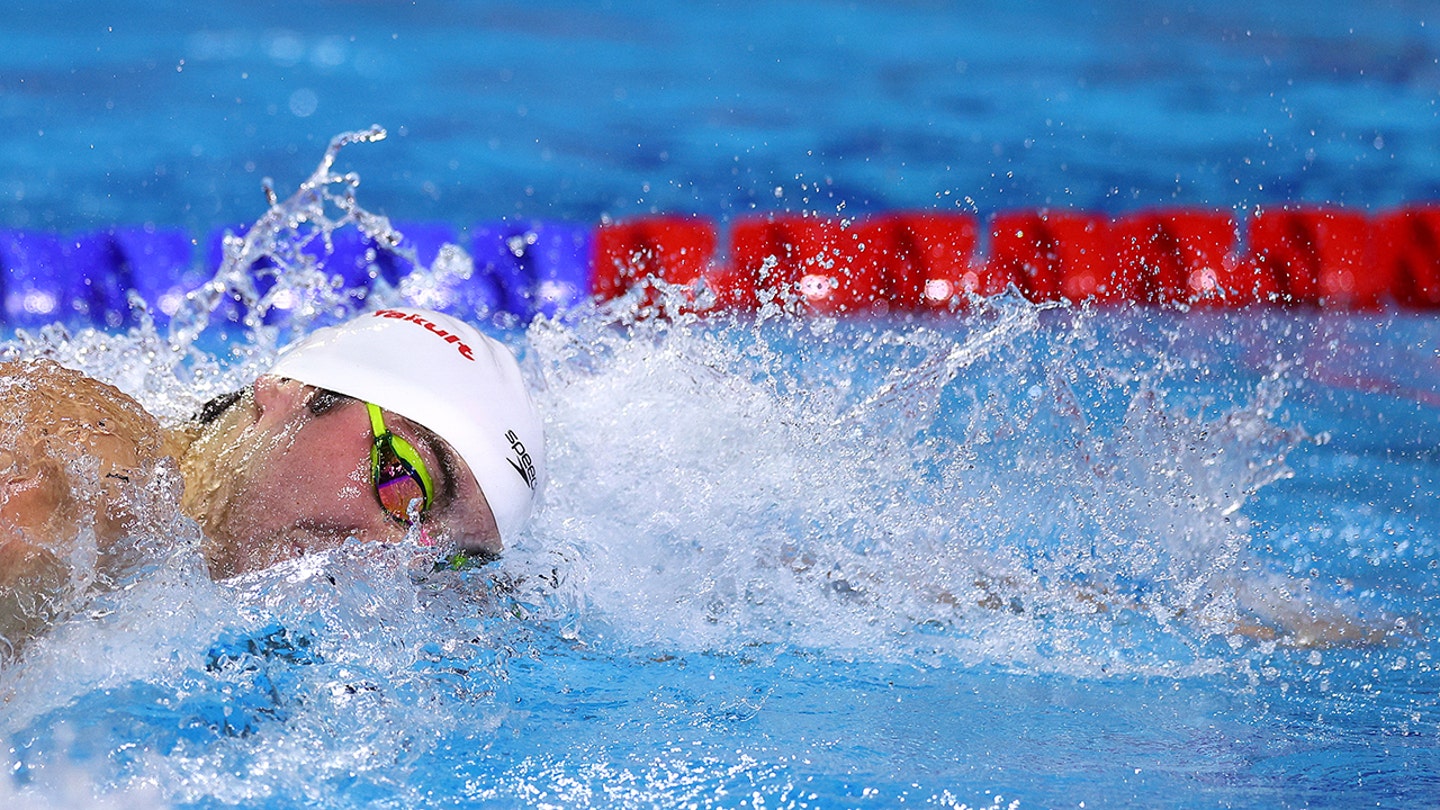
pixel 444 374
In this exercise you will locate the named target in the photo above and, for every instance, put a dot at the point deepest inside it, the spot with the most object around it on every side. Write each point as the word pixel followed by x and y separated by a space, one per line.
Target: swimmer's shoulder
pixel 56 405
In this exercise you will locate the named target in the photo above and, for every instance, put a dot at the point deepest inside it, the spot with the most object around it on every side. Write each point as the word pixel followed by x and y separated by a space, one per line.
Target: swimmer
pixel 401 423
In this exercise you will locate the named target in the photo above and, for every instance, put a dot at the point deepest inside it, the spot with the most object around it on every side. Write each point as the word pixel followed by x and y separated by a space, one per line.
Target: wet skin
pixel 282 472
pixel 287 472
pixel 79 461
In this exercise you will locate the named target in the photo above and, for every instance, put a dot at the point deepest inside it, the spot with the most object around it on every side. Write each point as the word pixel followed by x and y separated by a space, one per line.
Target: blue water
pixel 1021 556
pixel 172 113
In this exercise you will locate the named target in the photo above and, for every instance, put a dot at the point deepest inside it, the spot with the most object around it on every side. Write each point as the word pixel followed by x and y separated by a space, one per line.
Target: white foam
pixel 1018 487
pixel 894 491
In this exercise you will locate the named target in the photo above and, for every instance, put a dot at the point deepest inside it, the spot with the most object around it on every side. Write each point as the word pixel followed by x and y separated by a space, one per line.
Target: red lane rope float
pixel 676 250
pixel 836 269
pixel 928 259
pixel 1175 257
pixel 899 261
pixel 1407 252
pixel 1318 256
pixel 1055 255
pixel 908 261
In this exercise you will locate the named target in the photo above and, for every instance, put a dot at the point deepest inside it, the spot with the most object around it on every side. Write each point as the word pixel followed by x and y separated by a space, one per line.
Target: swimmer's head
pixel 447 377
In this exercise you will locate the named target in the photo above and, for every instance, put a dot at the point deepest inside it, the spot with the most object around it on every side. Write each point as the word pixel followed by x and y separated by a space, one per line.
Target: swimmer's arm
pixel 1296 612
pixel 32 581
pixel 1273 609
pixel 37 528
pixel 53 419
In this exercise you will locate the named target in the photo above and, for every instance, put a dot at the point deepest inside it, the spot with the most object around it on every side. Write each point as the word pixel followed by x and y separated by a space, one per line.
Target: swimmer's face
pixel 300 479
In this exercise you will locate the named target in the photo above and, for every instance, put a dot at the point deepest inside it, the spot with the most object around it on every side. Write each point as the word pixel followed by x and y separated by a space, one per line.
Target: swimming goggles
pixel 398 472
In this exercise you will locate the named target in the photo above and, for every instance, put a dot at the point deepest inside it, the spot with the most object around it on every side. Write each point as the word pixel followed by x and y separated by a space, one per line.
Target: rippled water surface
pixel 1020 554
pixel 168 112
pixel 1013 555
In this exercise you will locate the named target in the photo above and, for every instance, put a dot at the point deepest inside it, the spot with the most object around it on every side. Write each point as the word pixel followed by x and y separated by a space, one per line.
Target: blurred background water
pixel 172 113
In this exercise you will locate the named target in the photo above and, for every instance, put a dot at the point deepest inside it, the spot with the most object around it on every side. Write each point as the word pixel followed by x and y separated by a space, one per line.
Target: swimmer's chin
pixel 231 557
pixel 327 568
pixel 297 551
pixel 223 563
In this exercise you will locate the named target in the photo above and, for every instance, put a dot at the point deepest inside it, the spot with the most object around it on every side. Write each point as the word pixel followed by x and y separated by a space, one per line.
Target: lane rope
pixel 904 261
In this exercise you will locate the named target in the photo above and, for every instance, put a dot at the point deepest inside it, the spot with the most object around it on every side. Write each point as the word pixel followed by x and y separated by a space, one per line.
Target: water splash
pixel 274 283
pixel 995 489
pixel 1021 487
pixel 211 663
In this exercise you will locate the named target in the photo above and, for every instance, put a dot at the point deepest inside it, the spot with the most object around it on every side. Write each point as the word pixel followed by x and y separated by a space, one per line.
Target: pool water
pixel 165 112
pixel 1002 558
pixel 1022 555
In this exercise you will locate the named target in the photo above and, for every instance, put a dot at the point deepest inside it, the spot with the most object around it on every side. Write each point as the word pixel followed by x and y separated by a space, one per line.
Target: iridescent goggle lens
pixel 398 471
